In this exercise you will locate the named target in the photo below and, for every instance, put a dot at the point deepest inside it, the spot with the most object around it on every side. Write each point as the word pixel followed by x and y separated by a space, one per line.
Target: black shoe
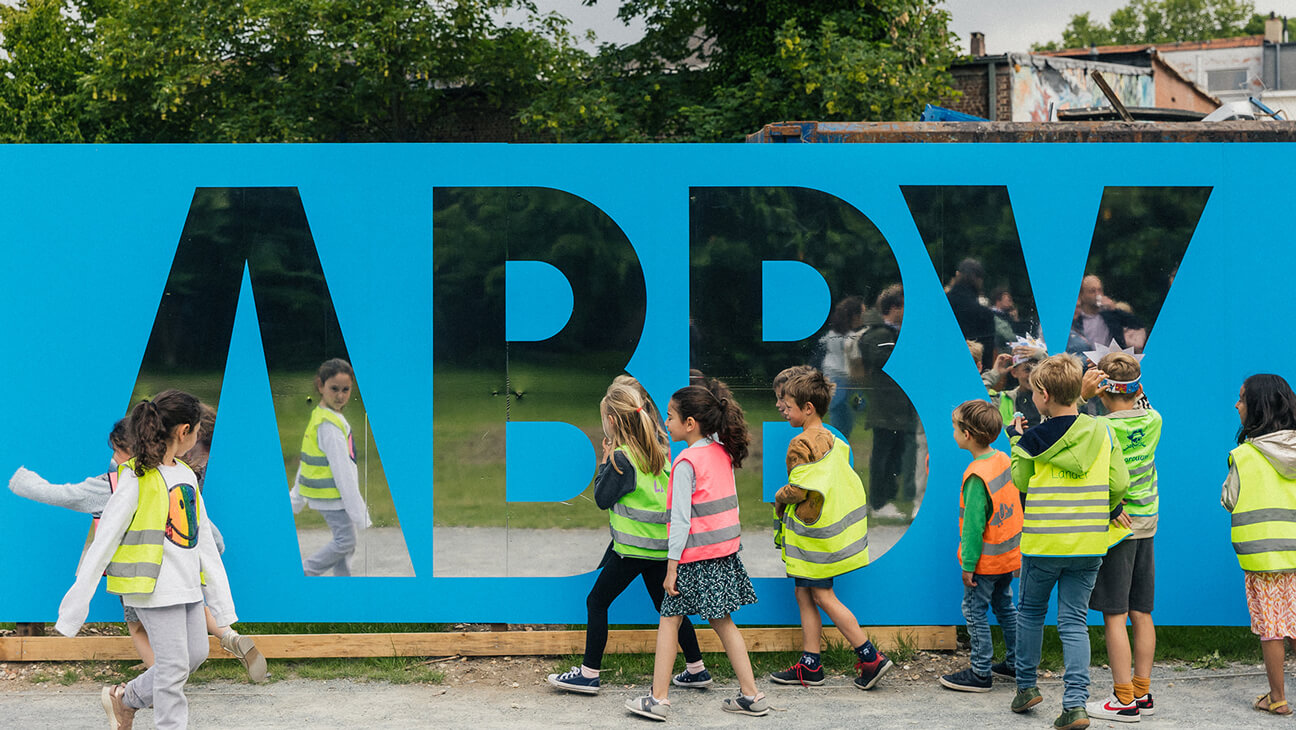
pixel 871 672
pixel 1004 669
pixel 966 681
pixel 799 674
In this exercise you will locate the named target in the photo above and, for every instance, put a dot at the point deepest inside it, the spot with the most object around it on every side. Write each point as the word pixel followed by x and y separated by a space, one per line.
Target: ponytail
pixel 716 412
pixel 153 422
pixel 635 426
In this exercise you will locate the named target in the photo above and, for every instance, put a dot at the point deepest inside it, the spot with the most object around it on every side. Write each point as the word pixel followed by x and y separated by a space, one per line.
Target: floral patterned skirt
pixel 1271 599
pixel 710 589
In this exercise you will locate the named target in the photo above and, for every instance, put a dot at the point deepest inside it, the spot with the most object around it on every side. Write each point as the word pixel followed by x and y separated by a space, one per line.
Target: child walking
pixel 631 482
pixel 704 575
pixel 91 496
pixel 1126 582
pixel 1074 478
pixel 1260 491
pixel 327 480
pixel 990 523
pixel 155 542
pixel 824 512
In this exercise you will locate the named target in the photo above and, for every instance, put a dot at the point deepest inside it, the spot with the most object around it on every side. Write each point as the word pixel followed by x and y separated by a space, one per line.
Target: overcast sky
pixel 1009 25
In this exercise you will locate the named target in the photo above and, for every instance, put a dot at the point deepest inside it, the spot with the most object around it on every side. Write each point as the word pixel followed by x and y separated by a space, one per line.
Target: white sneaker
pixel 889 511
pixel 1112 709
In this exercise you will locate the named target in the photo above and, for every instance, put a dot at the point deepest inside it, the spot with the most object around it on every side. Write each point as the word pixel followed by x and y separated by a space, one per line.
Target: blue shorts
pixel 813 582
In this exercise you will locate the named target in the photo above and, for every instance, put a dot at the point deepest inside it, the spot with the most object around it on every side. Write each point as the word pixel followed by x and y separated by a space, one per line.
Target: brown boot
pixel 120 717
pixel 248 655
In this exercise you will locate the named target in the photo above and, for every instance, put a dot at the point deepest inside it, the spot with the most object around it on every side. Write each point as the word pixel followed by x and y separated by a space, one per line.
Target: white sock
pixel 695 667
pixel 588 673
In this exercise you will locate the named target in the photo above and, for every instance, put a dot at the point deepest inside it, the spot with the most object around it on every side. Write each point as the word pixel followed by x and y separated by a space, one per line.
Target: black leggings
pixel 618 573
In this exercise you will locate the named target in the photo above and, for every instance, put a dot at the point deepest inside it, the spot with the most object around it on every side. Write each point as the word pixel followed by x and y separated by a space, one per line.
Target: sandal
pixel 1264 704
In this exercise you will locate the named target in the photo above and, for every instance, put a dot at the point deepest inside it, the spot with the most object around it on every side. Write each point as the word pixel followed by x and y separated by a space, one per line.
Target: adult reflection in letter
pixel 1099 320
pixel 841 355
pixel 976 321
pixel 327 479
pixel 890 415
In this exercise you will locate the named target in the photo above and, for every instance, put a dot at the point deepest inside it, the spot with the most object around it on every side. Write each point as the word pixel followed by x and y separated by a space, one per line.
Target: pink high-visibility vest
pixel 714 530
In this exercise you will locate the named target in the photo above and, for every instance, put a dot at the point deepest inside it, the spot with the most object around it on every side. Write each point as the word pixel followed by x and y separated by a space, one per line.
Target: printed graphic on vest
pixel 1135 439
pixel 182 516
pixel 1004 512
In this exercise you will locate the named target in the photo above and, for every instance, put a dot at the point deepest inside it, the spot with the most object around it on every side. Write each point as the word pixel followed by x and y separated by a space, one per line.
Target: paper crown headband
pixel 1025 349
pixel 1119 387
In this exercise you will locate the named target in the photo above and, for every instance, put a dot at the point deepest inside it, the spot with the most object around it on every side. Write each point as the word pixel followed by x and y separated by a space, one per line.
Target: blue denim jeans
pixel 991 592
pixel 840 413
pixel 1074 578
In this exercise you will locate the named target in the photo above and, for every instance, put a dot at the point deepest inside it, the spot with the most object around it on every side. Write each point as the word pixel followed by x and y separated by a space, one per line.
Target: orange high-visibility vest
pixel 714 529
pixel 1001 543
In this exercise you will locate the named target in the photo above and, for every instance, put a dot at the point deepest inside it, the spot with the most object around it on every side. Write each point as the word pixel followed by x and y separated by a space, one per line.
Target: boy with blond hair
pixel 824 511
pixel 1125 584
pixel 1073 478
pixel 990 521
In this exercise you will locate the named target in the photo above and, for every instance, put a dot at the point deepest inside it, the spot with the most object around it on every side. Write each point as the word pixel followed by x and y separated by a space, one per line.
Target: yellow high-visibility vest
pixel 1067 514
pixel 316 477
pixel 838 541
pixel 1264 518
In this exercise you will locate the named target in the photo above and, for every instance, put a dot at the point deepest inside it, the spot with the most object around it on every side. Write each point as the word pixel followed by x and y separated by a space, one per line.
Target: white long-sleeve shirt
pixel 333 442
pixel 684 481
pixel 179 578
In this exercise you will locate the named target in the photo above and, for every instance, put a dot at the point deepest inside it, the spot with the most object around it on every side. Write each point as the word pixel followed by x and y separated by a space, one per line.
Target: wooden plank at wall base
pixel 486 643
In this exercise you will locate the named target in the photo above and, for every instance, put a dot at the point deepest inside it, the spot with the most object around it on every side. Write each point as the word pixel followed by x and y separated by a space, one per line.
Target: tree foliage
pixel 264 70
pixel 715 71
pixel 1161 21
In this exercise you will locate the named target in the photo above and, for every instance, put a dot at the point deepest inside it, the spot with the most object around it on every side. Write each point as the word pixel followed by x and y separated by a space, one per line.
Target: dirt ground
pixel 485 692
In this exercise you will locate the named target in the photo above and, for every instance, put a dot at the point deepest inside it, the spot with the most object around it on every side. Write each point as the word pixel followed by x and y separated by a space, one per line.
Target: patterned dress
pixel 1271 599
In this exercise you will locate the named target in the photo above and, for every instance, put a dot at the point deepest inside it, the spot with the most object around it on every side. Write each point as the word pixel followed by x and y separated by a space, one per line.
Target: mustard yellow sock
pixel 1142 685
pixel 1124 693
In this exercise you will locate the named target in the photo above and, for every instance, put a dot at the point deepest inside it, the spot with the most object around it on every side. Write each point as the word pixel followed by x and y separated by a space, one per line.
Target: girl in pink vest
pixel 704 575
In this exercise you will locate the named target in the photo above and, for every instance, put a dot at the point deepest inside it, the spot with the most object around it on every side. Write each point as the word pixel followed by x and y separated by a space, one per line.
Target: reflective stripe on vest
pixel 838 541
pixel 1138 437
pixel 137 560
pixel 639 520
pixel 714 532
pixel 1067 514
pixel 315 479
pixel 1264 518
pixel 1001 542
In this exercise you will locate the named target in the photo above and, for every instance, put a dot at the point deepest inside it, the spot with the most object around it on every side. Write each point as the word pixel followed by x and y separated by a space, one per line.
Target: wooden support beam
pixel 485 643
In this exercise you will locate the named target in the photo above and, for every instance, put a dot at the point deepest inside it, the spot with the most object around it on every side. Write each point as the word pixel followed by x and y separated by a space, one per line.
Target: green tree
pixel 267 70
pixel 715 71
pixel 1161 21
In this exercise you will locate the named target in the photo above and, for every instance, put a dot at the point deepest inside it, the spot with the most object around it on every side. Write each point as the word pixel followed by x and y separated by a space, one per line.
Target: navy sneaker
pixel 1004 669
pixel 689 679
pixel 871 672
pixel 799 674
pixel 572 680
pixel 1145 704
pixel 967 681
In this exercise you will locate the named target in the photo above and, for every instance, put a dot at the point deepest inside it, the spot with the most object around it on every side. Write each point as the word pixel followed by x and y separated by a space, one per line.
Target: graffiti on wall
pixel 1041 85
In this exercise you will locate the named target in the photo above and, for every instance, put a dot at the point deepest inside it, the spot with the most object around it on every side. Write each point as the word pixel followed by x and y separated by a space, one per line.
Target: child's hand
pixel 1091 384
pixel 607 449
pixel 669 583
pixel 1019 423
pixel 968 580
pixel 1123 519
pixel 1002 361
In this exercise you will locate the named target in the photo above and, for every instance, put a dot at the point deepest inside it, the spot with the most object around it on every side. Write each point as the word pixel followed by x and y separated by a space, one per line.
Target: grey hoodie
pixel 1278 448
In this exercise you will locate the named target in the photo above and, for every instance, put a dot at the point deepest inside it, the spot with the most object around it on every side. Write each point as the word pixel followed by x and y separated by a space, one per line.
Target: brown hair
pixel 891 297
pixel 332 367
pixel 716 412
pixel 981 420
pixel 787 374
pixel 119 438
pixel 635 427
pixel 197 457
pixel 1060 377
pixel 1120 366
pixel 810 387
pixel 153 424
